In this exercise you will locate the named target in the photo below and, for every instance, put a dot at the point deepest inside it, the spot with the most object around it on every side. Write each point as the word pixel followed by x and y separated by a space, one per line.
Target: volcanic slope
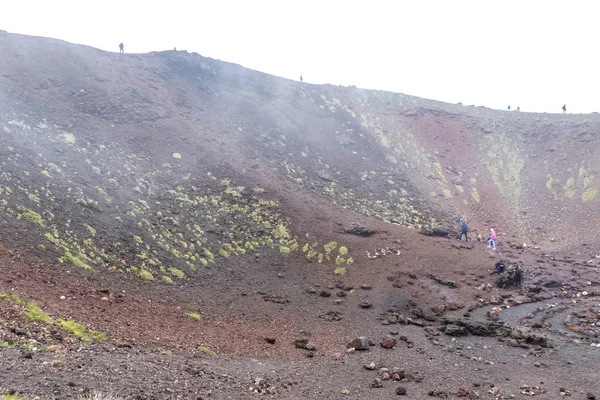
pixel 170 201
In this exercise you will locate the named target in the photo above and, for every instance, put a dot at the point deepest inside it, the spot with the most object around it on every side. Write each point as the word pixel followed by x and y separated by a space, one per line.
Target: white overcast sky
pixel 536 54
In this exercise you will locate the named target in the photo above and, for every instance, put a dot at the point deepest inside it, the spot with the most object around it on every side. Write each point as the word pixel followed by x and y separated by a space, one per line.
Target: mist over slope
pixel 160 163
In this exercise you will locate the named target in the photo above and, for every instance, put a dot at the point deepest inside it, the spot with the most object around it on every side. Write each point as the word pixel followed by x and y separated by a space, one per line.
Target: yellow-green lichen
pixel 32 216
pixel 589 194
pixel 145 274
pixel 194 315
pixel 475 195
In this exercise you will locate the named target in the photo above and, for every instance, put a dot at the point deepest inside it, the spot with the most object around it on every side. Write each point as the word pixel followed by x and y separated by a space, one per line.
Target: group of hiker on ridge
pixel 122 48
pixel 464 230
pixel 564 108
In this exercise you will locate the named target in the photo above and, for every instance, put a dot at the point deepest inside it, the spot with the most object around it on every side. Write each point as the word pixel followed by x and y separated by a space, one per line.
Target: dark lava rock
pixel 376 383
pixel 401 391
pixel 455 330
pixel 270 340
pixel 359 230
pixel 398 374
pixel 324 293
pixel 365 304
pixel 361 343
pixel 19 331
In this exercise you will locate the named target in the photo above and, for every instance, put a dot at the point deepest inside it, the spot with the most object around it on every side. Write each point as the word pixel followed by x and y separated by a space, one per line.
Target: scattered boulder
pixel 455 330
pixel 388 342
pixel 370 366
pixel 270 340
pixel 359 230
pixel 401 391
pixel 436 231
pixel 19 331
pixel 365 304
pixel 398 374
pixel 360 343
pixel 377 383
pixel 304 344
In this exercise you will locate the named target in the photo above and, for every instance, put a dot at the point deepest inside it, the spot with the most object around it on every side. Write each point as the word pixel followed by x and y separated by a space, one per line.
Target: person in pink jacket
pixel 492 239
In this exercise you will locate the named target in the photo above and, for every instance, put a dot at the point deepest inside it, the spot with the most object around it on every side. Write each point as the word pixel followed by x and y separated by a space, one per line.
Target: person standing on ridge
pixel 300 78
pixel 121 48
pixel 509 107
pixel 564 108
pixel 492 239
pixel 518 108
pixel 464 230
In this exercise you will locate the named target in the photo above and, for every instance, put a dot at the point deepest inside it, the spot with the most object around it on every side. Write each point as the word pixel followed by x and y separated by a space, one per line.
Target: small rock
pixel 311 290
pixel 324 293
pixel 455 330
pixel 537 364
pixel 376 383
pixel 398 374
pixel 386 375
pixel 365 304
pixel 27 354
pixel 401 391
pixel 53 348
pixel 310 346
pixel 365 286
pixel 361 343
pixel 388 342
pixel 270 340
pixel 370 366
pixel 19 331
pixel 56 363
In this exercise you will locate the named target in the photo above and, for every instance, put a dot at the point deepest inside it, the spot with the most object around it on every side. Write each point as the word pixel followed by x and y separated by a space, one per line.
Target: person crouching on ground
pixel 492 239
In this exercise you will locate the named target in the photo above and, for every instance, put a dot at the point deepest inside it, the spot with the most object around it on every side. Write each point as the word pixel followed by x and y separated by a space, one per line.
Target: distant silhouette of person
pixel 300 78
pixel 121 48
pixel 509 108
pixel 518 108
pixel 174 48
pixel 564 108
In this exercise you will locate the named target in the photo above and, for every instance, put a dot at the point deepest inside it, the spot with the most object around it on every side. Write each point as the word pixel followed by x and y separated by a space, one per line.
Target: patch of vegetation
pixel 589 194
pixel 146 274
pixel 177 272
pixel 340 271
pixel 75 260
pixel 207 351
pixel 194 315
pixel 32 216
pixel 79 330
pixel 32 310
